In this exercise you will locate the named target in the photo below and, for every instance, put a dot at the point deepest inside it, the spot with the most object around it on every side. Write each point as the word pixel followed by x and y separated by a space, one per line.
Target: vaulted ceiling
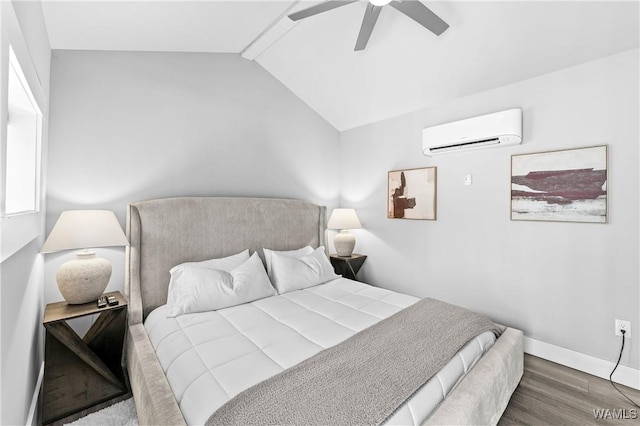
pixel 404 67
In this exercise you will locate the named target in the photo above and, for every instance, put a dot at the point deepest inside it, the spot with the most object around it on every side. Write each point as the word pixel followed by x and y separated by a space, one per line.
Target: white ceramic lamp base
pixel 344 243
pixel 83 279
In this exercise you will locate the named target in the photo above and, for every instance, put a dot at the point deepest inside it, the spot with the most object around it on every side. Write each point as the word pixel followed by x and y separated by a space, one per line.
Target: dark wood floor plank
pixel 603 388
pixel 559 373
pixel 552 394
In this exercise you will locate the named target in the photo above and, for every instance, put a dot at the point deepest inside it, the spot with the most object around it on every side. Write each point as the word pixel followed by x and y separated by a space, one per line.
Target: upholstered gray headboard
pixel 166 232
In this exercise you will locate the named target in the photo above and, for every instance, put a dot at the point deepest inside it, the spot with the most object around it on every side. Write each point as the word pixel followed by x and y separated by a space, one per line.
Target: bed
pixel 167 232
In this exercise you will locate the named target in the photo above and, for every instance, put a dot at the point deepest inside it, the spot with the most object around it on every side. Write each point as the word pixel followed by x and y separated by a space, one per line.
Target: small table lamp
pixel 84 279
pixel 344 219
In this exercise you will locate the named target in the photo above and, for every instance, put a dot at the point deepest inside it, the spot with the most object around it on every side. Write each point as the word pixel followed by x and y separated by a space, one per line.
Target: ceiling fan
pixel 412 8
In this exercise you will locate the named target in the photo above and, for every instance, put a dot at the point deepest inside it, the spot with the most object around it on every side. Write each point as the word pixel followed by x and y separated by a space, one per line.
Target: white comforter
pixel 209 357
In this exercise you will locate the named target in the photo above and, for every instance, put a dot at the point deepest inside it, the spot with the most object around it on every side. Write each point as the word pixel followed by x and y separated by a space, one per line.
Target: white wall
pixel 21 269
pixel 562 283
pixel 133 126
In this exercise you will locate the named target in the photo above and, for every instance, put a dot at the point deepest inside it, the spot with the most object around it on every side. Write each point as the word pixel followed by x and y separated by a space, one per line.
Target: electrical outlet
pixel 623 325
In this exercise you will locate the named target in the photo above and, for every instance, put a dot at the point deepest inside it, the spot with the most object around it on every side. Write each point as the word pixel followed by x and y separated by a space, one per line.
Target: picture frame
pixel 412 194
pixel 567 185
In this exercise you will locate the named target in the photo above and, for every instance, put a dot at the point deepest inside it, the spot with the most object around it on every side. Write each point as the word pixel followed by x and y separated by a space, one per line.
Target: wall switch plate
pixel 623 325
pixel 468 180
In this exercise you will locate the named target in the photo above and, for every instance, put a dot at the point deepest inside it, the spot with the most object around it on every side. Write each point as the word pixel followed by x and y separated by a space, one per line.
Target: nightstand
pixel 347 266
pixel 82 375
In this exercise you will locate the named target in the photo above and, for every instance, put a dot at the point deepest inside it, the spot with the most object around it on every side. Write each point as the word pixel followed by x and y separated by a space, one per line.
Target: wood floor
pixel 552 394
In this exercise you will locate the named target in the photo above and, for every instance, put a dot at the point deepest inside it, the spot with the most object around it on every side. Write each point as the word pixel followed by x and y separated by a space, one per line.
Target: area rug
pixel 121 414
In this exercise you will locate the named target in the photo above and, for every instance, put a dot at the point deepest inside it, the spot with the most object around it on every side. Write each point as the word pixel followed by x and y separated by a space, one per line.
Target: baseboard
pixel 32 420
pixel 598 367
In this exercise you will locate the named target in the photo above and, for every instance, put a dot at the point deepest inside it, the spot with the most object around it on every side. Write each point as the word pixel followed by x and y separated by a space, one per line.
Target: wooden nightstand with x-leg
pixel 347 266
pixel 85 374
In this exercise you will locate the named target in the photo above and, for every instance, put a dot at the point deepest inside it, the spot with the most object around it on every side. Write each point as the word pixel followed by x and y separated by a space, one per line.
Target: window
pixel 24 129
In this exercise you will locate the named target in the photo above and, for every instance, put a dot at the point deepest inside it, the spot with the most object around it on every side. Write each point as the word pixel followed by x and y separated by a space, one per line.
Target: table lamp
pixel 84 279
pixel 344 219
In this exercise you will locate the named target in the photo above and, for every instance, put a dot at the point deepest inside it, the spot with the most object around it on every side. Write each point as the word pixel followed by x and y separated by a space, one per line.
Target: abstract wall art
pixel 412 194
pixel 564 186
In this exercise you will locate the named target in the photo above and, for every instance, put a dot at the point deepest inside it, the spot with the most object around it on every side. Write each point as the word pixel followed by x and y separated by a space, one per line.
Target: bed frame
pixel 166 232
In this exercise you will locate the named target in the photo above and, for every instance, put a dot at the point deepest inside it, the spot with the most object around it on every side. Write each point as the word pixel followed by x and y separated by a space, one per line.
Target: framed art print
pixel 561 186
pixel 412 194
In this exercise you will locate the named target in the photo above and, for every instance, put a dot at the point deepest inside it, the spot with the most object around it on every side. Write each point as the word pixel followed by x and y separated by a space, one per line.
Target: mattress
pixel 209 357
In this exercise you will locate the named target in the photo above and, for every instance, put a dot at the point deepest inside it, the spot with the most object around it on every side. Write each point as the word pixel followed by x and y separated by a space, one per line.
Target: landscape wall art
pixel 565 186
pixel 412 194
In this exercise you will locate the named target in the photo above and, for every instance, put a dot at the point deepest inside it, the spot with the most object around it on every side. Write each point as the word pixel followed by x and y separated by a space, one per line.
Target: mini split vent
pixel 491 130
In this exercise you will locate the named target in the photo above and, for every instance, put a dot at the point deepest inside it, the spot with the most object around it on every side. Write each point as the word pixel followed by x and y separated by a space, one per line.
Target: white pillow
pixel 224 263
pixel 291 274
pixel 304 251
pixel 194 288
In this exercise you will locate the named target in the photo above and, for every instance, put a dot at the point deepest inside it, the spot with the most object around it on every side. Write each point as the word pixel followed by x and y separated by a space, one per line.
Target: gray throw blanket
pixel 364 379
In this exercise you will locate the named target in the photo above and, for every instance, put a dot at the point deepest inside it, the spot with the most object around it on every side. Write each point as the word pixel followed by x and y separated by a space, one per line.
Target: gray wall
pixel 21 274
pixel 562 283
pixel 129 126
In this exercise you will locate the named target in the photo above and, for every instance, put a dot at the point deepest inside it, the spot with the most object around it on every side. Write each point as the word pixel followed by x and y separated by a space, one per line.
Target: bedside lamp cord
pixel 614 370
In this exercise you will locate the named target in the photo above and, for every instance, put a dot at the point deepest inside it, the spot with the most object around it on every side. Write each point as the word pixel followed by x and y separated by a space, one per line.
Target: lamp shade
pixel 79 229
pixel 344 219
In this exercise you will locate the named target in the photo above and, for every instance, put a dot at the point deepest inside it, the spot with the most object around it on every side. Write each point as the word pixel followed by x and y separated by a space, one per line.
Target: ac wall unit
pixel 486 131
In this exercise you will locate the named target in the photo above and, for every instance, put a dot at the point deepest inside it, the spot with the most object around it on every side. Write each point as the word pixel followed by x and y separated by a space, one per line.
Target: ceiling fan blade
pixel 319 8
pixel 422 15
pixel 369 21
